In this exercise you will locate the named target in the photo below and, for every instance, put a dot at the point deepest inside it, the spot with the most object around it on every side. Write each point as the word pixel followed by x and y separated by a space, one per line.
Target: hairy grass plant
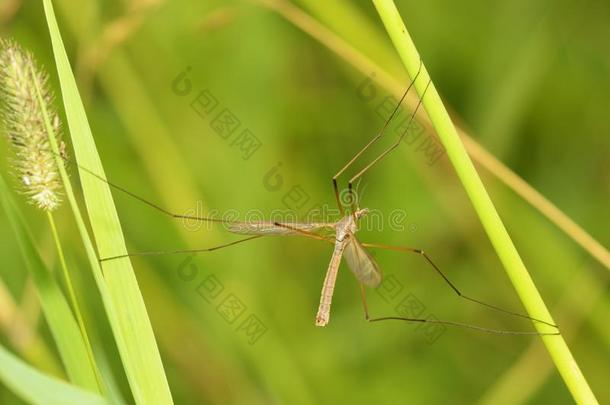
pixel 33 129
pixel 483 205
pixel 117 283
pixel 30 121
pixel 34 164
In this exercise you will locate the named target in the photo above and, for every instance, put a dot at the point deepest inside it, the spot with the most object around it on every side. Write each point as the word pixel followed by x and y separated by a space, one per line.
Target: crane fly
pixel 346 245
pixel 343 237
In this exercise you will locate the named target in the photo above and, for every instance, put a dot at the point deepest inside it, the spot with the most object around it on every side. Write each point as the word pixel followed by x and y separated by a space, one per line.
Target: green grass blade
pixel 131 326
pixel 37 388
pixel 60 319
pixel 484 207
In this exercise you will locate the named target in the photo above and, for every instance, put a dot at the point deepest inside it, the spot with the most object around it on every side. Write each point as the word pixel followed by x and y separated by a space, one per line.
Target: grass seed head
pixel 21 112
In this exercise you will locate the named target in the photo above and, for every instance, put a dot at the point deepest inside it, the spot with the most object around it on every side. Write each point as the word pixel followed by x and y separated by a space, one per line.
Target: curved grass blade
pixel 484 207
pixel 60 319
pixel 37 388
pixel 126 311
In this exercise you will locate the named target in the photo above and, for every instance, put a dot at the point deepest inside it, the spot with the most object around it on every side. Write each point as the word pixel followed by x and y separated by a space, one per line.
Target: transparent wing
pixel 361 263
pixel 270 228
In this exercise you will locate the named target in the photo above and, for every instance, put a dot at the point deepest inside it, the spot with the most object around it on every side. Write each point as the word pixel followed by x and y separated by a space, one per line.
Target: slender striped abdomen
pixel 328 288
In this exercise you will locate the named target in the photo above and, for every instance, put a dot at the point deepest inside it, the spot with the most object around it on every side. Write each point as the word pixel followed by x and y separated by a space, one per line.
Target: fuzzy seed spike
pixel 21 112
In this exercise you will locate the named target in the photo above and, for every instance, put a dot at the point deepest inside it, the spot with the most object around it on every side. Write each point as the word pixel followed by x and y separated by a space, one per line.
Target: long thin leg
pixel 179 216
pixel 446 323
pixel 374 140
pixel 453 287
pixel 305 233
pixel 390 149
pixel 145 201
pixel 182 251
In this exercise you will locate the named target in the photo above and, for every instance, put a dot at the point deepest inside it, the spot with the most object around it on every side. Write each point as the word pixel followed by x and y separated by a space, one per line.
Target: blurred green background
pixel 529 80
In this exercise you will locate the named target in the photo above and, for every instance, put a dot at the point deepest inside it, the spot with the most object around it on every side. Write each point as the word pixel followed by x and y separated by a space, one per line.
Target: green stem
pixel 66 274
pixel 73 300
pixel 484 207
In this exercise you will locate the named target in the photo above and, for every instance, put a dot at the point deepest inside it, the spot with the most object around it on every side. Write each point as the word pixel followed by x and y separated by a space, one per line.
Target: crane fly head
pixel 361 212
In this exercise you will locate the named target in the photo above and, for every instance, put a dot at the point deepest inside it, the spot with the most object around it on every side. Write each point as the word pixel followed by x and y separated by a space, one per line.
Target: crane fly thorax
pixel 345 227
pixel 348 225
